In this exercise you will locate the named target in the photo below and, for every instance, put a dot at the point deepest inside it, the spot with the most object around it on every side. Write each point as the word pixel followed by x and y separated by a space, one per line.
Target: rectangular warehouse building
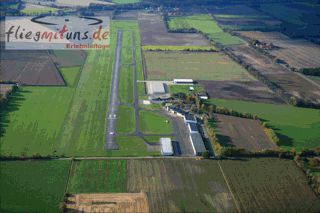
pixel 182 81
pixel 197 144
pixel 166 146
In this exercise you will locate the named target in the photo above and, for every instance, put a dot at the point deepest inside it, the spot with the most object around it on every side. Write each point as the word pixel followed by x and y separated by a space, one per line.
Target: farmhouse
pixel 189 119
pixel 193 128
pixel 197 144
pixel 166 146
pixel 183 81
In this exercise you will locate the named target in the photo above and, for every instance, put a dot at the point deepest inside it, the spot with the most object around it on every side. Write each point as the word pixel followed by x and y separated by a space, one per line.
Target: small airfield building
pixel 197 144
pixel 166 146
pixel 188 118
pixel 193 128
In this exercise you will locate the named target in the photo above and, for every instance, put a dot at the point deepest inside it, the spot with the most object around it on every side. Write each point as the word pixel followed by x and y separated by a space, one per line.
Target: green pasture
pixel 205 24
pixel 98 176
pixel 33 120
pixel 131 146
pixel 32 186
pixel 296 127
pixel 186 89
pixel 197 66
pixel 154 123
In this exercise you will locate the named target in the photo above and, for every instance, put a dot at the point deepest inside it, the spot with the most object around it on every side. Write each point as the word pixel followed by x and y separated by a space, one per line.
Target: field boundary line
pixel 228 185
pixel 69 174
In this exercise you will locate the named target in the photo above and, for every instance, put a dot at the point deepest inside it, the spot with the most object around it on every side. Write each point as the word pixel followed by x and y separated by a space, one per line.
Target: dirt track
pixel 111 202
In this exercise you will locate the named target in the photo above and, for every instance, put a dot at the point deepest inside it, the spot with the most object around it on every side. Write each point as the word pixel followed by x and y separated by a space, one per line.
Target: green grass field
pixel 98 176
pixel 205 24
pixel 37 11
pixel 296 127
pixel 197 66
pixel 131 146
pixel 185 89
pixel 126 84
pixel 125 120
pixel 154 123
pixel 34 117
pixel 32 186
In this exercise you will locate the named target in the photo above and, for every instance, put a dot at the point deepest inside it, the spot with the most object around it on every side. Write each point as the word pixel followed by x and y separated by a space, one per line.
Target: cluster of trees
pixel 270 133
pixel 311 71
pixel 310 164
pixel 214 141
pixel 35 156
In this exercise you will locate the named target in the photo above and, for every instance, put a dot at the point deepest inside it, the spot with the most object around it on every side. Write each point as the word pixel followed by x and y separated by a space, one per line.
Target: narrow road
pixel 113 105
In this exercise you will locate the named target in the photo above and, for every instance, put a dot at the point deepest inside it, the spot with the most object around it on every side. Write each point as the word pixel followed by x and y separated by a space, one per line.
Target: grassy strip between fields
pixel 125 120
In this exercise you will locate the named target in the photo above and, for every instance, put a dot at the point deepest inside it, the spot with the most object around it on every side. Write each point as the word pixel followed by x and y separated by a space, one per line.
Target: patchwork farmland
pixel 297 53
pixel 204 24
pixel 154 32
pixel 290 83
pixel 109 130
pixel 296 127
pixel 242 17
pixel 225 185
pixel 220 76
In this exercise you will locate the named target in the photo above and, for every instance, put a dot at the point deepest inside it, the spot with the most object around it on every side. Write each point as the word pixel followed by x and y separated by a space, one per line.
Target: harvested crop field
pixel 29 68
pixel 115 202
pixel 269 185
pixel 242 133
pixel 188 185
pixel 180 185
pixel 69 58
pixel 154 32
pixel 297 53
pixel 290 82
pixel 241 90
pixel 197 66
